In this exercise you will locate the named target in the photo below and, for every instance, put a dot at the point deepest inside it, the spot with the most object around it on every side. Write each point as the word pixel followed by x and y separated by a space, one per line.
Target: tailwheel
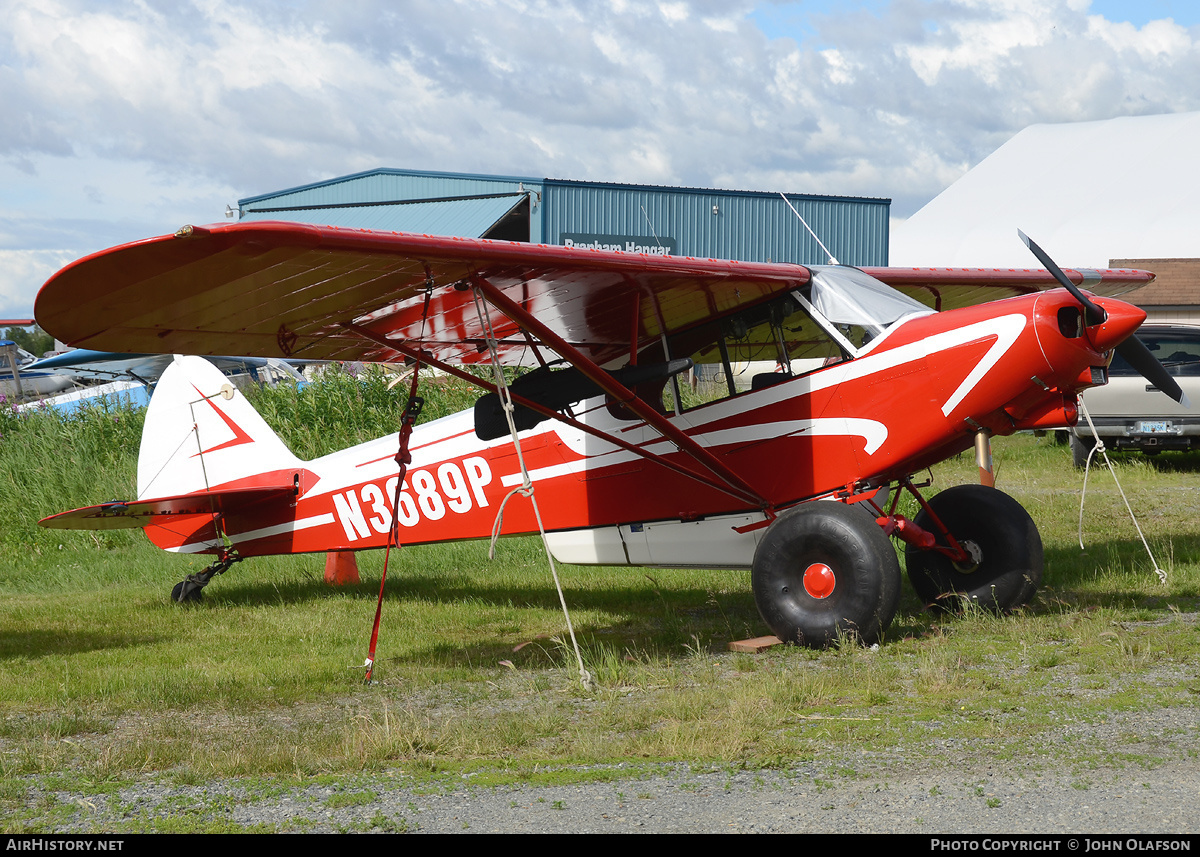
pixel 826 570
pixel 190 589
pixel 1004 550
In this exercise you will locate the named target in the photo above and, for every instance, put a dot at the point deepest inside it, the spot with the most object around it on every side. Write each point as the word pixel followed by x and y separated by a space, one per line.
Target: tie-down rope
pixel 403 458
pixel 1099 447
pixel 525 489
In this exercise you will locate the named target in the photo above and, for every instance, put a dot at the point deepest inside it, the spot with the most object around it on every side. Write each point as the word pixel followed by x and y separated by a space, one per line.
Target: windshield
pixel 1178 349
pixel 852 297
pixel 854 307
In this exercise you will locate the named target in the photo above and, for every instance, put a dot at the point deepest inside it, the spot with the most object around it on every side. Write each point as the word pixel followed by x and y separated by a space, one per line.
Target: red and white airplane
pixel 871 385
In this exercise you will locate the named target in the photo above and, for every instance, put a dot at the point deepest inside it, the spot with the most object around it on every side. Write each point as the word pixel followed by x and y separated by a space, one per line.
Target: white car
pixel 1131 413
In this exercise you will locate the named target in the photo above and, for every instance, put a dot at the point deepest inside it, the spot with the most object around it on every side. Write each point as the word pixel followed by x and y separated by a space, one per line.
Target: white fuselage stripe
pixel 452 437
pixel 251 535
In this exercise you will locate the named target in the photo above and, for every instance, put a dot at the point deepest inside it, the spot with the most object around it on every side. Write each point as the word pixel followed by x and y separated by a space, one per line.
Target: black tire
pixel 1002 537
pixel 855 596
pixel 1080 449
pixel 186 592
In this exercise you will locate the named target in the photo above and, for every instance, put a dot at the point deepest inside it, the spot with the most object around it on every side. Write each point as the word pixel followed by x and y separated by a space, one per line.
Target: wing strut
pixel 430 360
pixel 617 390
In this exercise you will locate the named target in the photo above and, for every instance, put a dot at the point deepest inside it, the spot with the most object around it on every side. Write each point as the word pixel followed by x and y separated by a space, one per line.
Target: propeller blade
pixel 1093 314
pixel 1147 365
pixel 1132 349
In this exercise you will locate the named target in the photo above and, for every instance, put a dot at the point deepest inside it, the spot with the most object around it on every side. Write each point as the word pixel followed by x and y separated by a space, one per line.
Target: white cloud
pixel 20 267
pixel 128 119
pixel 1157 40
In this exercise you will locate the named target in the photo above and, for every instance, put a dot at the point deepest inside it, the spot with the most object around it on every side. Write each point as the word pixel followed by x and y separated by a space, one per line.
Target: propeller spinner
pixel 1132 348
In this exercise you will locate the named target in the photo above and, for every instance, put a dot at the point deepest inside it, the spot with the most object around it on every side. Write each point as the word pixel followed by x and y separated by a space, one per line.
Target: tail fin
pixel 196 439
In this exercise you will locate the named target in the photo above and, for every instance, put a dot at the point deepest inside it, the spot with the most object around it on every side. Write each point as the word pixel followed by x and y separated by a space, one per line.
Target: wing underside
pixel 292 290
pixel 284 290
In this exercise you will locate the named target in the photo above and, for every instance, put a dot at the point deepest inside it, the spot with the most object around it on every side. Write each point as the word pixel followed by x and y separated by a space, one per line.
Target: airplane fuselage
pixel 918 395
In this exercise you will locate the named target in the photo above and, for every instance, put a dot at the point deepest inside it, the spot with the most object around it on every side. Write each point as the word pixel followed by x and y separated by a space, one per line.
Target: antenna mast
pixel 832 261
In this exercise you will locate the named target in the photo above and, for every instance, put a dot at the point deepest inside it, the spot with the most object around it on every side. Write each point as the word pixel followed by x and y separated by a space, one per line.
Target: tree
pixel 33 339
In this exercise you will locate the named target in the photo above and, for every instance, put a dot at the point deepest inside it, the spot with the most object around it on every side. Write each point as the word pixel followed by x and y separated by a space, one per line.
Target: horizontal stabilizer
pixel 116 515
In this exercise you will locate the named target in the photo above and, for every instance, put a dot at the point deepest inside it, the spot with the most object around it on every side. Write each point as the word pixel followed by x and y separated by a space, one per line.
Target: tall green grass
pixel 51 462
pixel 344 407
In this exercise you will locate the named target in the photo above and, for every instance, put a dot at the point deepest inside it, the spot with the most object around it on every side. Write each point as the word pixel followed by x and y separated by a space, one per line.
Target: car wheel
pixel 1080 449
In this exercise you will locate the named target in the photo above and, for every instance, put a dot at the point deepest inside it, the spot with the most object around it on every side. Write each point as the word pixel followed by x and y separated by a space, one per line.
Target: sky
pixel 124 120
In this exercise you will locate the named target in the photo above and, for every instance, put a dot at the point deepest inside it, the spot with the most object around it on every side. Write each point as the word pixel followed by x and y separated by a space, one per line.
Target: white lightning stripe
pixel 251 535
pixel 442 440
pixel 1008 328
pixel 874 433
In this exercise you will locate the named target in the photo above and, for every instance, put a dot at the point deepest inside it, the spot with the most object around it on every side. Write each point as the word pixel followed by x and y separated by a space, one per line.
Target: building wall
pixel 744 225
pixel 1173 297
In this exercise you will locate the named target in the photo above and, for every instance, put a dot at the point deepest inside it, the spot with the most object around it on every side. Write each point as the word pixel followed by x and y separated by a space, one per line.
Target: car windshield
pixel 1178 350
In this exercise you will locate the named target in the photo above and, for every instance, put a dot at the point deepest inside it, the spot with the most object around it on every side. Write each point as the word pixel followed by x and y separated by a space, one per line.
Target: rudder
pixel 195 439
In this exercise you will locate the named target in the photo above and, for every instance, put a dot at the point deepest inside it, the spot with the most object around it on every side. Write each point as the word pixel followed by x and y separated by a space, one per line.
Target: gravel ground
pixel 947 791
pixel 1159 801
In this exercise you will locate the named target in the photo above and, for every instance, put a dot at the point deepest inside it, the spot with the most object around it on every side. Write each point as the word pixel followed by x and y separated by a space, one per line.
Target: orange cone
pixel 341 568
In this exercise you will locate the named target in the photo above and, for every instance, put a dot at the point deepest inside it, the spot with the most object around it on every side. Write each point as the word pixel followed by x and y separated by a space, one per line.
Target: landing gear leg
pixel 189 590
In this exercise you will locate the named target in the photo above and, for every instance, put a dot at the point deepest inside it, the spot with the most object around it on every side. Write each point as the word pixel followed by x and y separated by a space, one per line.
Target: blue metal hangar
pixel 718 224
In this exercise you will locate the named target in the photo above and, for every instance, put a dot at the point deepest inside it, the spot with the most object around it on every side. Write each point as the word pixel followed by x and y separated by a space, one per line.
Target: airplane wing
pixel 952 288
pixel 285 290
pixel 85 364
pixel 295 290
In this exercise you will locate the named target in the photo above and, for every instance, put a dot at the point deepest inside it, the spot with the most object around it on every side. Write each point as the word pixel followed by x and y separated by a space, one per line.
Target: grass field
pixel 103 680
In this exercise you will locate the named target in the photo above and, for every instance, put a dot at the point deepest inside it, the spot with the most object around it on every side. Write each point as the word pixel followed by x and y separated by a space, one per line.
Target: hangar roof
pixel 1087 192
pixel 463 216
pixel 391 200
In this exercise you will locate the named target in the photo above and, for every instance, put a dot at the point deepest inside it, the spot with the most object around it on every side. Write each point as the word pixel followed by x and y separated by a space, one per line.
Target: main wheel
pixel 826 570
pixel 1005 565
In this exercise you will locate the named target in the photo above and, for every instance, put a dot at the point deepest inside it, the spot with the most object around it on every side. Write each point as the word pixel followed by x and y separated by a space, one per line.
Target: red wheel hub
pixel 819 580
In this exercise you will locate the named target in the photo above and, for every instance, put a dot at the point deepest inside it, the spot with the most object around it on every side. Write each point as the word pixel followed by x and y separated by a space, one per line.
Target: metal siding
pixel 750 226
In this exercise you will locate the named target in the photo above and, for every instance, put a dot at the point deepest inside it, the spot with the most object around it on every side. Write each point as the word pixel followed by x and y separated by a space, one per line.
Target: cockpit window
pixel 758 347
pixel 857 303
pixel 831 318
